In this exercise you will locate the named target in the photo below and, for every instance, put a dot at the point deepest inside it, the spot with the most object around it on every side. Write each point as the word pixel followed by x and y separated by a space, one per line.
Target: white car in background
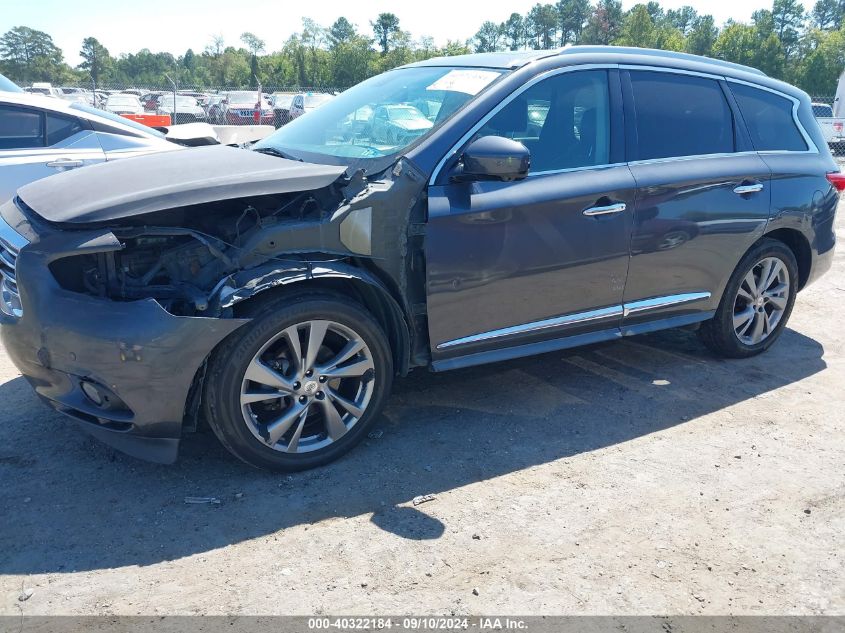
pixel 122 103
pixel 41 136
pixel 304 103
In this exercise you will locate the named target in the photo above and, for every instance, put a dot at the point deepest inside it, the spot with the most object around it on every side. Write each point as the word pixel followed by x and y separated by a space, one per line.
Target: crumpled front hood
pixel 168 180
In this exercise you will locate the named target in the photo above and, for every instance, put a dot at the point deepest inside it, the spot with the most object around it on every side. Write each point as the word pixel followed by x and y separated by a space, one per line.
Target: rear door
pixel 702 193
pixel 35 144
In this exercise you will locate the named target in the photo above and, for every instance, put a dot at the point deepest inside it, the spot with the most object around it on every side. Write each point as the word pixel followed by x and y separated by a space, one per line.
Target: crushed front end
pixel 107 364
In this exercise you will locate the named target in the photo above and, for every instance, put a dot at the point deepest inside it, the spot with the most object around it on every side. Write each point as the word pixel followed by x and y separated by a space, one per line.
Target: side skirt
pixel 567 342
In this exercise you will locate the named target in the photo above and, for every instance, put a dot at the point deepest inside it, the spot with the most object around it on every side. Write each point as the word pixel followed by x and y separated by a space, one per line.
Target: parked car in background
pixel 214 109
pixel 281 289
pixel 398 124
pixel 180 109
pixel 239 108
pixel 43 88
pixel 201 97
pixel 124 104
pixel 303 103
pixel 281 102
pixel 41 136
pixel 70 93
pixel 150 100
pixel 833 128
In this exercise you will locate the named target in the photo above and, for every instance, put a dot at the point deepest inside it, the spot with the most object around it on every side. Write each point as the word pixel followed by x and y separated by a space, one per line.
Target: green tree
pixel 488 37
pixel 31 55
pixel 788 21
pixel 820 65
pixel 96 60
pixel 255 45
pixel 572 17
pixel 542 21
pixel 637 28
pixel 386 29
pixel 682 19
pixel 702 36
pixel 827 14
pixel 514 31
pixel 341 32
pixel 605 23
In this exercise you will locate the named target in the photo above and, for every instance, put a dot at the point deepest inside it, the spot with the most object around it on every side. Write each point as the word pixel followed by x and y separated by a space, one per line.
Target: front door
pixel 512 263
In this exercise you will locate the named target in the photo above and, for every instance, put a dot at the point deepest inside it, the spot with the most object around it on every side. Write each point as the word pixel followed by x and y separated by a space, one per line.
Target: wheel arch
pixel 798 243
pixel 347 281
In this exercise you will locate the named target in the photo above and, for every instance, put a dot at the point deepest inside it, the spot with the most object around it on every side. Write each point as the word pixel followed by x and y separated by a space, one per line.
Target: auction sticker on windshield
pixel 468 81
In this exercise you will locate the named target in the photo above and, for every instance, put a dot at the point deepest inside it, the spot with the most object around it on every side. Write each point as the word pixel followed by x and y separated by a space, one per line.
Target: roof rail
pixel 631 50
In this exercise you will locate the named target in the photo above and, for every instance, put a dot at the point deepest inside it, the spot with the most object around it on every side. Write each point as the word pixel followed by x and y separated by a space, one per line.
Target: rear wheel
pixel 299 386
pixel 756 304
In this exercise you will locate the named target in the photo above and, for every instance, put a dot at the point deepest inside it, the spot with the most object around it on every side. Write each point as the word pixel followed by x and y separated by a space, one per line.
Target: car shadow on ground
pixel 72 504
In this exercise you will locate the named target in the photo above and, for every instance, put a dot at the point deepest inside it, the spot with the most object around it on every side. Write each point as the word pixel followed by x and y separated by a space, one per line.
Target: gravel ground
pixel 643 476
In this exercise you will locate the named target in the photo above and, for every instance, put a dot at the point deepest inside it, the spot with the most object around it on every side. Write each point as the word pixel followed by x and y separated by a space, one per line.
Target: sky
pixel 175 26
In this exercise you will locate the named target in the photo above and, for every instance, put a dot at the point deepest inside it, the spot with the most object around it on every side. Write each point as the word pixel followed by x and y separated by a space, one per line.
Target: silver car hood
pixel 168 180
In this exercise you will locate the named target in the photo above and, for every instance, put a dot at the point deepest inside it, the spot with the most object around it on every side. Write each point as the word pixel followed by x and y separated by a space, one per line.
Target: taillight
pixel 837 126
pixel 837 179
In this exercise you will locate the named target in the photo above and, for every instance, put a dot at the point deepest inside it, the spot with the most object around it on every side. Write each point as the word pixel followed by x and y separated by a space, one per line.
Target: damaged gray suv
pixel 516 203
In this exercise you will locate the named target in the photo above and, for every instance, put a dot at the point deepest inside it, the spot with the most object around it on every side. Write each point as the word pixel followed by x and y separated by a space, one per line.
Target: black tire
pixel 718 333
pixel 228 365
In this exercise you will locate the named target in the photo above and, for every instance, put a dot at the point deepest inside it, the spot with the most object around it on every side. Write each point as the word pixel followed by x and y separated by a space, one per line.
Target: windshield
pixel 382 115
pixel 105 114
pixel 312 101
pixel 243 97
pixel 128 101
pixel 822 110
pixel 180 101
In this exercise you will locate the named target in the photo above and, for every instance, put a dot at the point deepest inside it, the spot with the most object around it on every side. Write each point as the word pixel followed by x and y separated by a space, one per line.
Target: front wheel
pixel 756 304
pixel 298 386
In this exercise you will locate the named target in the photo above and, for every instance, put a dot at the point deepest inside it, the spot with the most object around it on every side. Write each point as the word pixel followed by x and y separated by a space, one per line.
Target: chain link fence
pixel 230 105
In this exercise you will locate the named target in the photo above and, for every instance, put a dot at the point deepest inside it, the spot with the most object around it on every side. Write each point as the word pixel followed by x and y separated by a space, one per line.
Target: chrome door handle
pixel 617 207
pixel 65 163
pixel 744 189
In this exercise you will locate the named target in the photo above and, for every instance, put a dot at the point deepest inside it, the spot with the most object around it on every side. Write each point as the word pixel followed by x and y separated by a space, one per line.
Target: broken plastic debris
pixel 201 500
pixel 374 435
pixel 25 595
pixel 423 499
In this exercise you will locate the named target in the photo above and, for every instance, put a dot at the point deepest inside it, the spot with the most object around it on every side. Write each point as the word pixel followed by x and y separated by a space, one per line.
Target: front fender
pixel 392 315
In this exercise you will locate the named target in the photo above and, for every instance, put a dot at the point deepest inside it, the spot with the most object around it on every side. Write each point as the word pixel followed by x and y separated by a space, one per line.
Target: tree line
pixel 786 41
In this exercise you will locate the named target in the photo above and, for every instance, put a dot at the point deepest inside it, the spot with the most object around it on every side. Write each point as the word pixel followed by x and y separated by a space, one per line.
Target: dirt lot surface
pixel 634 477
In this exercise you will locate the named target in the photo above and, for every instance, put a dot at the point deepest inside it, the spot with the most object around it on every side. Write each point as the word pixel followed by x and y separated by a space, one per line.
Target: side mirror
pixel 495 158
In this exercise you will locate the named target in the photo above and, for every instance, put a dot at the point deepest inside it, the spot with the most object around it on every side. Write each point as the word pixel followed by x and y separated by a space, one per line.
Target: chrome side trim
pixel 662 302
pixel 569 319
pixel 579 317
pixel 673 159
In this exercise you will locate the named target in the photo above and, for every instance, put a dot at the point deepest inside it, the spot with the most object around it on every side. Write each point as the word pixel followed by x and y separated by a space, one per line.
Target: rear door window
pixel 20 128
pixel 679 115
pixel 60 128
pixel 769 119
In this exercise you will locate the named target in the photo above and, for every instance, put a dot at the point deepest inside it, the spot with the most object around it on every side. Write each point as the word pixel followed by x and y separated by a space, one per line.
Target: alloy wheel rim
pixel 761 301
pixel 307 386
